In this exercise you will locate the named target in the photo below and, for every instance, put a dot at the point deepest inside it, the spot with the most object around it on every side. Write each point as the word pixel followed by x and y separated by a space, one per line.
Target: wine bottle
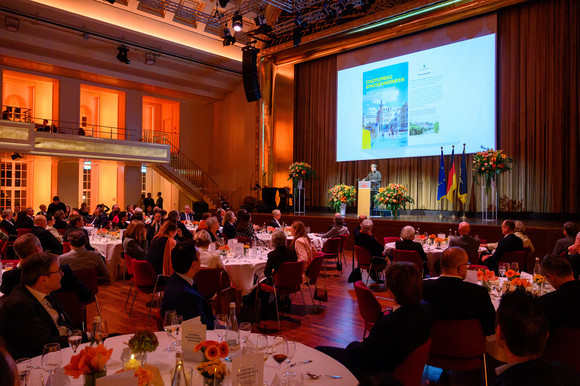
pixel 97 336
pixel 537 268
pixel 233 333
pixel 179 378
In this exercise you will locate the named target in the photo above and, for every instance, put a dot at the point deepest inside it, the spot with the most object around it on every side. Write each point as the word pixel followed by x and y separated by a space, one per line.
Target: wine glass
pixel 104 330
pixel 291 350
pixel 51 357
pixel 515 266
pixel 501 269
pixel 280 350
pixel 245 330
pixel 75 337
pixel 170 326
pixel 24 366
pixel 262 345
pixel 35 379
pixel 177 343
pixel 221 326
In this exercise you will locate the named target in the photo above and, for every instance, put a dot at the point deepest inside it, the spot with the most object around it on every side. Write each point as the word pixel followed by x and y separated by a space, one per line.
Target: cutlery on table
pixel 314 376
pixel 299 363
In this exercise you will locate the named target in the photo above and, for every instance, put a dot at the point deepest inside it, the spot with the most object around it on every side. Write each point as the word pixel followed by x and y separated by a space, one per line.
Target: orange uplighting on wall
pixel 102 112
pixel 161 116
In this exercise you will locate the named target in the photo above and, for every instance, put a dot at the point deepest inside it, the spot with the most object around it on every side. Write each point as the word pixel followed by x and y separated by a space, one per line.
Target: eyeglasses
pixel 60 273
pixel 467 264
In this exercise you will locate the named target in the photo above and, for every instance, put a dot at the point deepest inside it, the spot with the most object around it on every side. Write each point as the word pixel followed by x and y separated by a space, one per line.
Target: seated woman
pixel 245 228
pixel 302 244
pixel 135 240
pixel 207 259
pixel 159 254
pixel 407 243
pixel 50 227
pixel 520 229
pixel 120 220
pixel 213 228
pixel 203 223
pixel 395 334
pixel 338 229
pixel 59 223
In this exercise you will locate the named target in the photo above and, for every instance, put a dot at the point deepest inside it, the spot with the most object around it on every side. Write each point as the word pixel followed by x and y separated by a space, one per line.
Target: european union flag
pixel 442 186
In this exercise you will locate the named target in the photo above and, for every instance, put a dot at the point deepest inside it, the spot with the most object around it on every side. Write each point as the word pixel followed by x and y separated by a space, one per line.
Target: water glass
pixel 291 350
pixel 170 326
pixel 221 326
pixel 262 345
pixel 51 358
pixel 75 337
pixel 292 379
pixel 24 366
pixel 515 266
pixel 245 330
pixel 35 379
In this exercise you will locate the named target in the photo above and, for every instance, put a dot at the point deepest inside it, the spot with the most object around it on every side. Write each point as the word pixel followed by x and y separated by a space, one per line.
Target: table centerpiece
pixel 143 342
pixel 393 197
pixel 91 362
pixel 212 369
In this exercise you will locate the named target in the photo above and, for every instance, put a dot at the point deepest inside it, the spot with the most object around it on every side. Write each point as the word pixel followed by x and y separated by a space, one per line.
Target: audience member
pixel 276 216
pixel 563 305
pixel 465 241
pixel 181 293
pixel 23 220
pixel 42 210
pixel 100 219
pixel 213 227
pixel 207 259
pixel 59 223
pixel 154 226
pixel 219 214
pixel 570 230
pixel 245 228
pixel 356 230
pixel 76 223
pixel 114 211
pixel 202 223
pixel 7 224
pixel 395 334
pixel 121 222
pixel 79 258
pixel 159 253
pixel 159 202
pixel 451 298
pixel 31 317
pixel 229 230
pixel 574 256
pixel 148 204
pixel 50 227
pixel 135 240
pixel 522 331
pixel 187 214
pixel 28 245
pixel 183 232
pixel 407 243
pixel 519 231
pixel 84 210
pixel 47 240
pixel 301 243
pixel 337 229
pixel 509 243
pixel 366 240
pixel 55 205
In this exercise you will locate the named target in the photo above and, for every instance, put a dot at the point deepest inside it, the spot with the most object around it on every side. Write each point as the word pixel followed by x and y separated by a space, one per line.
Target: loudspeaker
pixel 250 73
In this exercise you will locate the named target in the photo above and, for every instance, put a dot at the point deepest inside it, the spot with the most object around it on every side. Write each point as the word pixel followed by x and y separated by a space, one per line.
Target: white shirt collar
pixel 186 278
pixel 37 294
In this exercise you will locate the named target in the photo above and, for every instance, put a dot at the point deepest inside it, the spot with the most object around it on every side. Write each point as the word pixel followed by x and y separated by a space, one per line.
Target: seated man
pixel 276 216
pixel 451 298
pixel 562 305
pixel 187 214
pixel 28 245
pixel 76 223
pixel 465 240
pixel 407 243
pixel 181 292
pixel 509 243
pixel 25 219
pixel 357 229
pixel 100 219
pixel 31 316
pixel 522 331
pixel 366 240
pixel 395 334
pixel 79 258
pixel 7 224
pixel 570 230
pixel 47 240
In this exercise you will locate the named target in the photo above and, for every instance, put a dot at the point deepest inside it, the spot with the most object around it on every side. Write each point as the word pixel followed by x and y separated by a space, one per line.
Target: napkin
pixel 125 378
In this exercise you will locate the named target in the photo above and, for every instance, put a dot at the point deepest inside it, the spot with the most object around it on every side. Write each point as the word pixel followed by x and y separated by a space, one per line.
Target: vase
pixel 394 212
pixel 299 184
pixel 207 381
pixel 142 357
pixel 91 379
pixel 343 209
pixel 488 198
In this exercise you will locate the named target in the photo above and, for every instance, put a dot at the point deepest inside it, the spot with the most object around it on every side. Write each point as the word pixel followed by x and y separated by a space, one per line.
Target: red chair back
pixel 463 352
pixel 144 275
pixel 514 256
pixel 563 345
pixel 343 239
pixel 473 257
pixel 313 269
pixel 368 305
pixel 89 278
pixel 391 239
pixel 128 263
pixel 159 321
pixel 66 247
pixel 74 308
pixel 244 240
pixel 61 231
pixel 331 248
pixel 207 281
pixel 225 281
pixel 475 267
pixel 363 257
pixel 410 371
pixel 23 231
pixel 409 256
pixel 482 241
pixel 289 276
pixel 14 262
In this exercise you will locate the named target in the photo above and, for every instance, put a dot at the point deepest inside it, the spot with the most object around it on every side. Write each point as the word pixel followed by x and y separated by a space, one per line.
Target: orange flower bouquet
pixel 486 277
pixel 90 361
pixel 223 250
pixel 212 350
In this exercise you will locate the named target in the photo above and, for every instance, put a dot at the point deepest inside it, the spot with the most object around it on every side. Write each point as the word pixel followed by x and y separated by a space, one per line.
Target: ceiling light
pixel 15 156
pixel 237 22
pixel 12 23
pixel 228 38
pixel 150 58
pixel 122 55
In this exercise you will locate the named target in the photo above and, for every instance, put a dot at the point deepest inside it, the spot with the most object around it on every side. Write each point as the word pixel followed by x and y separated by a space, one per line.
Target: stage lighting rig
pixel 122 55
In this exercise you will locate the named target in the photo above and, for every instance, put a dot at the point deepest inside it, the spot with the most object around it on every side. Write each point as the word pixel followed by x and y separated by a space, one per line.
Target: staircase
pixel 185 174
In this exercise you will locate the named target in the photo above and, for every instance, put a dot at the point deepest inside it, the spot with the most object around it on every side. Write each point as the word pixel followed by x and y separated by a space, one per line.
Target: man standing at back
pixel 55 205
pixel 465 240
pixel 451 298
pixel 509 243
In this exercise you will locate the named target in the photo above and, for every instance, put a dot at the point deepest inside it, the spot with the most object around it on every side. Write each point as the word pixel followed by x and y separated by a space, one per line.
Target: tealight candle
pixel 132 364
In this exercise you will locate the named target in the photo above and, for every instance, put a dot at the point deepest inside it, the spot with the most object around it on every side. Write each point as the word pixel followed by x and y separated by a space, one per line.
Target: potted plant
pixel 393 197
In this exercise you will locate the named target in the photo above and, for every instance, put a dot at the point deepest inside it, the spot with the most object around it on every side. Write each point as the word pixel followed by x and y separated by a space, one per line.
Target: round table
pixel 165 362
pixel 267 239
pixel 111 249
pixel 242 269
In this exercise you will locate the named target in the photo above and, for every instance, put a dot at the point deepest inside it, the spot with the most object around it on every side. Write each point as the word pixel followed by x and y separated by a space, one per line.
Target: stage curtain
pixel 538 125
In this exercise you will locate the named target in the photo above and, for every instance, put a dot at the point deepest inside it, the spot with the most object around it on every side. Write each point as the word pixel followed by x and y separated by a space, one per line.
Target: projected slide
pixel 411 105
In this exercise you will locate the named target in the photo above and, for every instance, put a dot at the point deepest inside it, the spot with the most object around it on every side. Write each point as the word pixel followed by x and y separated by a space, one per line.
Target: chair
pixel 368 306
pixel 147 281
pixel 410 371
pixel 343 240
pixel 129 267
pixel 207 282
pixel 466 349
pixel 473 257
pixel 66 247
pixel 89 278
pixel 409 256
pixel 391 239
pixel 4 245
pixel 287 280
pixel 365 261
pixel 159 321
pixel 563 345
pixel 312 272
pixel 482 241
pixel 244 240
pixel 514 257
pixel 331 248
pixel 61 231
pixel 475 267
pixel 23 231
pixel 75 309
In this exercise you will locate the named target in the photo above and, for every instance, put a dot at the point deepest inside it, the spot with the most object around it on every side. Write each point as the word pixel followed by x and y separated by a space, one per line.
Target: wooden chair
pixel 409 256
pixel 365 261
pixel 147 281
pixel 410 371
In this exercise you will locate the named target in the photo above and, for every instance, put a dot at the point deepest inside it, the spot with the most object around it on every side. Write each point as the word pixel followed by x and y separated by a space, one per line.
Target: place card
pixel 193 332
pixel 125 378
pixel 248 369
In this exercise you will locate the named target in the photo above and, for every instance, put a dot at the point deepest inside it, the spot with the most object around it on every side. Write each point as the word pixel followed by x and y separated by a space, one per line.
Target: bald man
pixel 356 230
pixel 451 298
pixel 465 240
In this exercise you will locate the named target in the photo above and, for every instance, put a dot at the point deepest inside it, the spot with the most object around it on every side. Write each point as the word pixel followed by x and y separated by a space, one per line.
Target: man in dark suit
pixel 7 223
pixel 181 292
pixel 148 202
pixel 187 214
pixel 522 331
pixel 562 305
pixel 276 216
pixel 509 243
pixel 28 245
pixel 25 219
pixel 154 226
pixel 76 223
pixel 451 298
pixel 570 230
pixel 159 202
pixel 55 205
pixel 229 230
pixel 100 219
pixel 465 240
pixel 47 240
pixel 31 316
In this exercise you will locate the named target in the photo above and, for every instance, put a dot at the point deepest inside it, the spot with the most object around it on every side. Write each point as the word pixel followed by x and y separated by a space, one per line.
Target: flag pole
pixel 464 217
pixel 456 190
pixel 441 201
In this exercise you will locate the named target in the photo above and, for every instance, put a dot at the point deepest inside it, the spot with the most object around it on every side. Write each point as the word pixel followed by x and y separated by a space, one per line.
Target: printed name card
pixel 192 333
pixel 248 369
pixel 126 378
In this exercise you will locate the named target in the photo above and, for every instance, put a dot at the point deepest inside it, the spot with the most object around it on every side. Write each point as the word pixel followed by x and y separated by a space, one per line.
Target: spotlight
pixel 122 55
pixel 237 22
pixel 15 156
pixel 300 22
pixel 11 23
pixel 228 38
pixel 223 3
pixel 297 36
pixel 260 20
pixel 150 58
pixel 327 11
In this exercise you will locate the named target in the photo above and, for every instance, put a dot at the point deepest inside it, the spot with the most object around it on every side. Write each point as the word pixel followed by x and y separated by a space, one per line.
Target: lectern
pixel 364 198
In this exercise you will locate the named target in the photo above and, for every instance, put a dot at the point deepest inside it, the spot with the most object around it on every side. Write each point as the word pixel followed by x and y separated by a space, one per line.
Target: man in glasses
pixel 32 316
pixel 451 298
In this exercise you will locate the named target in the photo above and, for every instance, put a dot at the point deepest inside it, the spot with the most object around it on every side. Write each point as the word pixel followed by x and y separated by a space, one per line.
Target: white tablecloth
pixel 111 249
pixel 165 362
pixel 267 239
pixel 243 268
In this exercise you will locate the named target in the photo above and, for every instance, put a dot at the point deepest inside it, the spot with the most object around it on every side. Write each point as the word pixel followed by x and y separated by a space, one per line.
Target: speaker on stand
pixel 250 73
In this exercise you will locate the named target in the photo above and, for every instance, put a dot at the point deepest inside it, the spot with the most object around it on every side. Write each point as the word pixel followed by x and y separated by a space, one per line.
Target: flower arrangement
pixel 90 360
pixel 393 197
pixel 300 171
pixel 439 240
pixel 143 341
pixel 213 350
pixel 246 248
pixel 223 250
pixel 270 229
pixel 144 376
pixel 486 277
pixel 102 231
pixel 422 239
pixel 512 274
pixel 538 279
pixel 214 371
pixel 489 163
pixel 341 194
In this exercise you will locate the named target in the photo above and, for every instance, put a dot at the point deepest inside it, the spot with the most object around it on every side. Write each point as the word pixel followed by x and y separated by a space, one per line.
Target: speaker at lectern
pixel 364 198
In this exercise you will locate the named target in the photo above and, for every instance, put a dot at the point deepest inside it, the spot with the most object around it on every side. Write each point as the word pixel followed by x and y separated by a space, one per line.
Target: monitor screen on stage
pixel 439 92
